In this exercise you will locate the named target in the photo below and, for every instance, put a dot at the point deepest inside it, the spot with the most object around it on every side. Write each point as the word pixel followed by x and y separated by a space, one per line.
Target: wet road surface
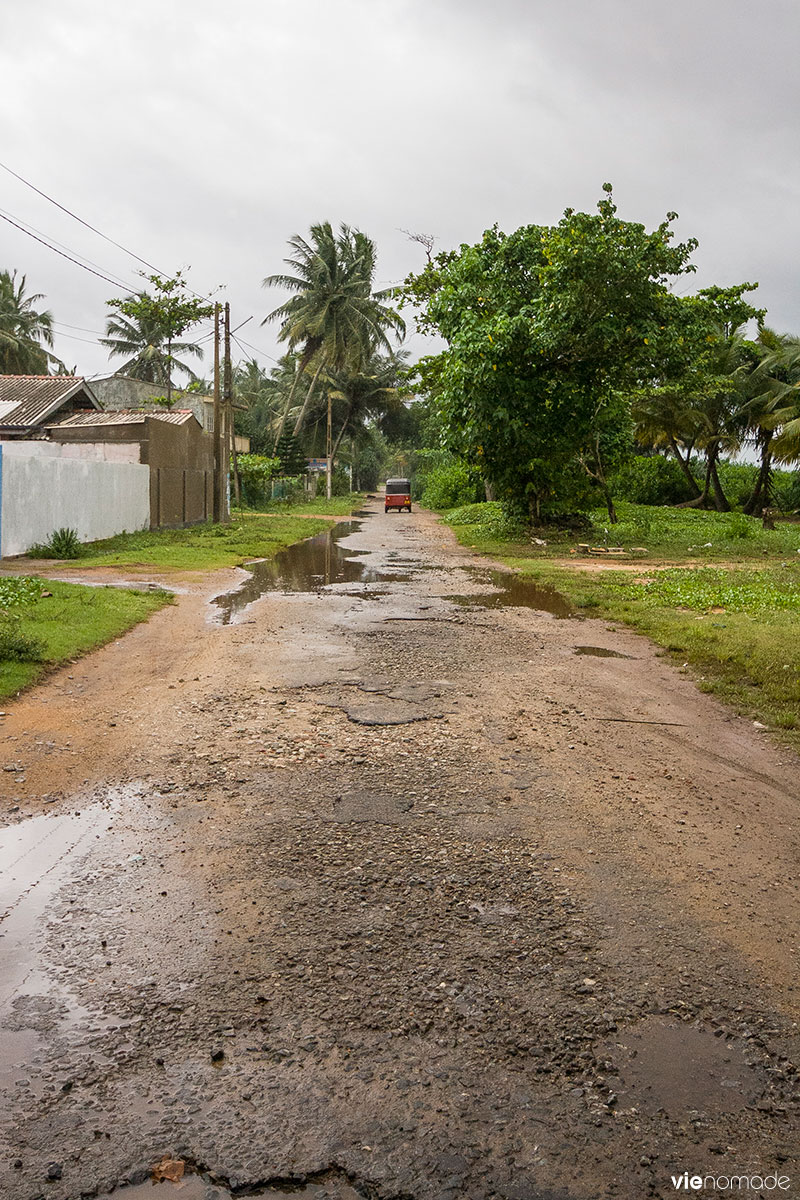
pixel 384 875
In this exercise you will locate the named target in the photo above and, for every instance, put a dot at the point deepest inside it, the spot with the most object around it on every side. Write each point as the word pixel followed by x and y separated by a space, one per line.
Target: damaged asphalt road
pixel 387 888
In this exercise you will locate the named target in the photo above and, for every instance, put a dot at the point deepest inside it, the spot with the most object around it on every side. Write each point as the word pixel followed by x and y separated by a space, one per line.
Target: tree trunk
pixel 760 493
pixel 701 501
pixel 489 490
pixel 720 499
pixel 299 422
pixel 301 366
pixel 685 468
pixel 340 434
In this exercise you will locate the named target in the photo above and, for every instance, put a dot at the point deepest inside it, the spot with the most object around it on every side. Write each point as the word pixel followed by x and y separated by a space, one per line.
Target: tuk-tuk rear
pixel 398 495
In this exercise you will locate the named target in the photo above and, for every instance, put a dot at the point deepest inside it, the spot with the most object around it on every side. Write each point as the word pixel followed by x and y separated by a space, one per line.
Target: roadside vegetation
pixel 44 623
pixel 203 547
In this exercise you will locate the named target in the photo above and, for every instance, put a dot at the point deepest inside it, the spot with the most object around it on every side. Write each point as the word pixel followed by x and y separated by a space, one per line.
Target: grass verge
pixel 734 626
pixel 667 534
pixel 70 621
pixel 202 547
pixel 337 506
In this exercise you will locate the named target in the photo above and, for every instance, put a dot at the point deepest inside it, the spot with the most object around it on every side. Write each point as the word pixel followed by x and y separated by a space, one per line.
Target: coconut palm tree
pixel 24 332
pixel 333 317
pixel 782 367
pixel 150 355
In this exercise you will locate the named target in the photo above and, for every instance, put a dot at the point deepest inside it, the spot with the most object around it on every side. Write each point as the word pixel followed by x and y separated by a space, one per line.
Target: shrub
pixel 651 479
pixel 256 472
pixel 16 646
pixel 452 485
pixel 488 519
pixel 62 543
pixel 738 481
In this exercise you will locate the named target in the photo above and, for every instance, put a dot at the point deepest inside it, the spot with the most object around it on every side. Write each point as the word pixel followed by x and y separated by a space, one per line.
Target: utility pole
pixel 227 405
pixel 328 447
pixel 219 478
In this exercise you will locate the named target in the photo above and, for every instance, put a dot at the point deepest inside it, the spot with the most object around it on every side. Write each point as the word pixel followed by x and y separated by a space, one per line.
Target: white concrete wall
pixel 45 486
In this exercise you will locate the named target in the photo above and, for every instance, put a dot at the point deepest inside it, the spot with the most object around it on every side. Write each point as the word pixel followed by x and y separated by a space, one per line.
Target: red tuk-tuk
pixel 398 495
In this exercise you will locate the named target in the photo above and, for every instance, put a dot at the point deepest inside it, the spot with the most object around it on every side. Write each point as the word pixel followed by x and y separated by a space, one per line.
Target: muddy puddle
pixel 311 566
pixel 323 562
pixel 38 855
pixel 676 1068
pixel 600 652
pixel 201 1187
pixel 513 591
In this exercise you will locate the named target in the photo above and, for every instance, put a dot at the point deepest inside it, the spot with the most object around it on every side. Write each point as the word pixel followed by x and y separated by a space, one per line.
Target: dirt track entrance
pixel 379 880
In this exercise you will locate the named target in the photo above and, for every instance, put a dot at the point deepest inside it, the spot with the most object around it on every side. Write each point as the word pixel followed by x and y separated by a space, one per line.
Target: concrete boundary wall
pixel 44 487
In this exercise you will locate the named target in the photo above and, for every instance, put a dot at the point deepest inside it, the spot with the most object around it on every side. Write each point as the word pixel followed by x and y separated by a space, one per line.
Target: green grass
pixel 734 626
pixel 202 547
pixel 72 621
pixel 337 506
pixel 666 533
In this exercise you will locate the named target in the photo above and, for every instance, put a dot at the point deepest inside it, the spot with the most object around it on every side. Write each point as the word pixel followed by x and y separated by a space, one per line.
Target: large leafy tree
pixel 539 325
pixel 148 326
pixel 333 319
pixel 25 331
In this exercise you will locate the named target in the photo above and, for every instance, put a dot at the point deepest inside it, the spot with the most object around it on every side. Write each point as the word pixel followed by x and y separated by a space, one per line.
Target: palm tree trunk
pixel 760 492
pixel 341 431
pixel 305 359
pixel 299 422
pixel 685 468
pixel 701 501
pixel 720 499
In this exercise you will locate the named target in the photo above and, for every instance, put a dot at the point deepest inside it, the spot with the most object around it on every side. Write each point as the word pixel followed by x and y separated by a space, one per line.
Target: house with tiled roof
pixel 28 402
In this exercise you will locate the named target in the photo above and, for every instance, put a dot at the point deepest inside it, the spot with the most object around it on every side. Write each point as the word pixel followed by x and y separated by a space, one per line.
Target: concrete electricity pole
pixel 227 404
pixel 219 474
pixel 329 471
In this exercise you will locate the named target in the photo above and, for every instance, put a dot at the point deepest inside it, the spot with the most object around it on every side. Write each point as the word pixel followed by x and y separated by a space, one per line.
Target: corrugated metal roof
pixel 30 399
pixel 123 416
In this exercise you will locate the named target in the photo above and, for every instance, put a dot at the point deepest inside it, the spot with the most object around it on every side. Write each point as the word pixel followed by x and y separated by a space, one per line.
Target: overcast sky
pixel 205 134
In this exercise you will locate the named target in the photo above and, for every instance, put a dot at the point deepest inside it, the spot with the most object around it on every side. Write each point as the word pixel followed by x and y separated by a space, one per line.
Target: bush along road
pixel 397 882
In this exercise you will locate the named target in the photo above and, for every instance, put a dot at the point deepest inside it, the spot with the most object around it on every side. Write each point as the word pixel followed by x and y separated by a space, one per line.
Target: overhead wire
pixel 145 262
pixel 80 220
pixel 100 275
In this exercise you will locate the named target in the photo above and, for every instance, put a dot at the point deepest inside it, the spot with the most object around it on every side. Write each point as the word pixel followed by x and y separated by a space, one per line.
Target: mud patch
pixel 678 1068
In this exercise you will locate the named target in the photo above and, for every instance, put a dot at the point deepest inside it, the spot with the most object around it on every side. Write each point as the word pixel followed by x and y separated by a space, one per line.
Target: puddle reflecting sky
pixel 322 562
pixel 306 567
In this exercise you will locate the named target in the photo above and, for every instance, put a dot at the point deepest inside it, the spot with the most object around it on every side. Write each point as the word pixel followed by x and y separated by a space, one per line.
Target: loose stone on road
pixel 385 875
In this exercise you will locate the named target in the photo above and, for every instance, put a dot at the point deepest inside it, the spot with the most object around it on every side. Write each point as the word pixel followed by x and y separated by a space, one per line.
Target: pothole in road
pixel 310 566
pixel 676 1068
pixel 37 855
pixel 326 1186
pixel 600 652
pixel 514 591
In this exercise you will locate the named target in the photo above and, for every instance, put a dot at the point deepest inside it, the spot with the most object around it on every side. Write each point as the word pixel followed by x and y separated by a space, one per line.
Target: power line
pixel 89 261
pixel 114 282
pixel 89 341
pixel 80 220
pixel 93 228
pixel 80 328
pixel 242 342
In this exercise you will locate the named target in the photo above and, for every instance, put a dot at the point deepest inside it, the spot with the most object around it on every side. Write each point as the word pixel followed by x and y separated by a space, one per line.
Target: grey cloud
pixel 197 135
